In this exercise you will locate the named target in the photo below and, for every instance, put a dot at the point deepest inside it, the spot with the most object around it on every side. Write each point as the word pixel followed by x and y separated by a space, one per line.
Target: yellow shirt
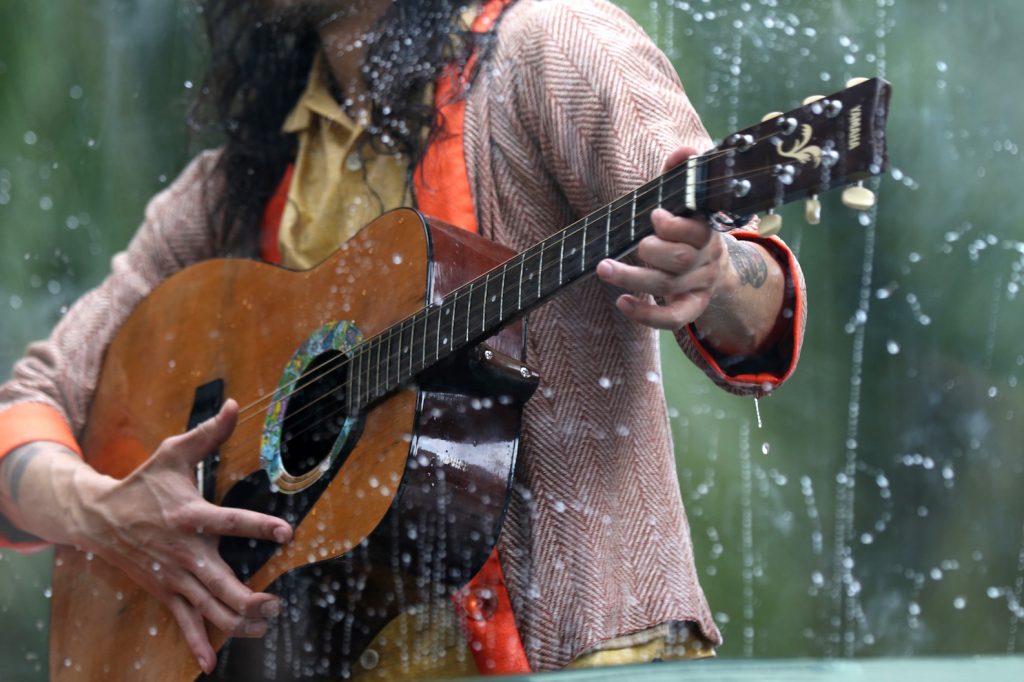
pixel 339 184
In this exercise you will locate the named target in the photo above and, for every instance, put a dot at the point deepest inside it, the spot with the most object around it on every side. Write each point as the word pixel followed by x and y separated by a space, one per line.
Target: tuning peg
pixel 769 116
pixel 858 197
pixel 770 224
pixel 812 211
pixel 812 98
pixel 855 81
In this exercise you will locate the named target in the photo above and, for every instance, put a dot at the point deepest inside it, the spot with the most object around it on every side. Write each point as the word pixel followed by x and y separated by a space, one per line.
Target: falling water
pixel 904 532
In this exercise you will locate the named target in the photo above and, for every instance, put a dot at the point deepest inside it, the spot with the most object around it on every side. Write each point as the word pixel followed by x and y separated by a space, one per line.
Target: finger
pixel 191 623
pixel 677 157
pixel 190 448
pixel 222 583
pixel 683 310
pixel 671 257
pixel 242 523
pixel 225 619
pixel 673 228
pixel 634 278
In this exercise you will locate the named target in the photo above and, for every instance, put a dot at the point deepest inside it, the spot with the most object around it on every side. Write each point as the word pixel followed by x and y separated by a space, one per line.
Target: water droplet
pixel 152 631
pixel 48 593
pixel 959 603
pixel 559 506
pixel 604 382
pixel 30 137
pixel 764 448
pixel 397 259
pixel 892 347
pixel 75 92
pixel 156 566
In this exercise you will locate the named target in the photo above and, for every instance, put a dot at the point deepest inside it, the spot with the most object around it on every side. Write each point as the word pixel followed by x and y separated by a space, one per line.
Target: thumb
pixel 193 446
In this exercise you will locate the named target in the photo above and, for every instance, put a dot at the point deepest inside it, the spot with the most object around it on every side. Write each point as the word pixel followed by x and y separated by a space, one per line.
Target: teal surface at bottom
pixel 987 668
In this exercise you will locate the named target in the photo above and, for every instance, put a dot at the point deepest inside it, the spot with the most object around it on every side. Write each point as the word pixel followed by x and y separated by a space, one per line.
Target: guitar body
pixel 407 508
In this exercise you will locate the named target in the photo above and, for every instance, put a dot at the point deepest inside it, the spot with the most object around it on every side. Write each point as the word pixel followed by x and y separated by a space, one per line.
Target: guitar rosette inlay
pixel 303 373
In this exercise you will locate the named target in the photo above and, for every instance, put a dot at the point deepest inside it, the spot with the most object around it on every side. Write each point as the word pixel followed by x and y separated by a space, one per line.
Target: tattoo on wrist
pixel 749 263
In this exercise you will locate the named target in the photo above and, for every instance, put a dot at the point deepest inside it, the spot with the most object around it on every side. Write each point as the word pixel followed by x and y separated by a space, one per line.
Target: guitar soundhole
pixel 316 413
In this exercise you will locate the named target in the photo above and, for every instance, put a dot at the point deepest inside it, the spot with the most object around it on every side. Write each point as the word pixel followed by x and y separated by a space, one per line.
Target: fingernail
pixel 271 609
pixel 281 534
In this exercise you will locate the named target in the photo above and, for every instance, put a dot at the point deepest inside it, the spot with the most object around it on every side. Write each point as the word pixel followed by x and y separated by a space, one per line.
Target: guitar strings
pixel 364 348
pixel 375 386
pixel 399 326
pixel 670 175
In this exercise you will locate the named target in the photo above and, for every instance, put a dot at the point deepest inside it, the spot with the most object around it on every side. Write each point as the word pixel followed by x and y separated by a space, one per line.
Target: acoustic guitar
pixel 384 389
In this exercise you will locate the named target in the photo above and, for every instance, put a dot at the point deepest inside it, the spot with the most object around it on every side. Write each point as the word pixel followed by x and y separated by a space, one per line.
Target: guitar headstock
pixel 827 142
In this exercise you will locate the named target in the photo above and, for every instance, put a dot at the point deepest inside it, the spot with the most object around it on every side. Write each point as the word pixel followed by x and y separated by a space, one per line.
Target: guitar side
pixel 240 322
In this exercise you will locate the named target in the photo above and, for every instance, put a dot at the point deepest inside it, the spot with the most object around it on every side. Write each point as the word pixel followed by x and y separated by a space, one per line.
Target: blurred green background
pixel 872 508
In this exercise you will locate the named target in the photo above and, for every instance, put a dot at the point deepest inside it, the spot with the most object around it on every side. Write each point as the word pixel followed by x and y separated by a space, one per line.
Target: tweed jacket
pixel 573 107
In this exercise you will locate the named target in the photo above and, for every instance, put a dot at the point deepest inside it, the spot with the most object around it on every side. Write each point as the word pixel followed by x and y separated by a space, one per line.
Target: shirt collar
pixel 317 100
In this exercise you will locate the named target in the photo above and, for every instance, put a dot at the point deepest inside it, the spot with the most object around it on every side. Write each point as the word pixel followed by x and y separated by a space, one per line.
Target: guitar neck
pixel 478 309
pixel 828 142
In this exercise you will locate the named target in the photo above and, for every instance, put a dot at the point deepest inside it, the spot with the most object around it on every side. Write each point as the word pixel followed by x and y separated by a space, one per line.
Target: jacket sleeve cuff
pixel 21 424
pixel 775 362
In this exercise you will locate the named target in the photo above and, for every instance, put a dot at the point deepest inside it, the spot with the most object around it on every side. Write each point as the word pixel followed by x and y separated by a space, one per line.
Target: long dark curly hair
pixel 259 62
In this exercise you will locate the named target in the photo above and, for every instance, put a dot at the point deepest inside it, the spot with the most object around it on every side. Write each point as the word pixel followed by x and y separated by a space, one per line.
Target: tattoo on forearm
pixel 15 464
pixel 749 263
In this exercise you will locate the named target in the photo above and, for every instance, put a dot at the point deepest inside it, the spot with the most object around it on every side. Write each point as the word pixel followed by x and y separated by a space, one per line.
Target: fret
pixel 375 345
pixel 561 257
pixel 367 361
pixel 501 293
pixel 398 353
pixel 632 219
pixel 607 232
pixel 387 363
pixel 451 334
pixel 583 246
pixel 691 183
pixel 437 342
pixel 426 336
pixel 483 308
pixel 540 271
pixel 661 189
pixel 522 262
pixel 412 344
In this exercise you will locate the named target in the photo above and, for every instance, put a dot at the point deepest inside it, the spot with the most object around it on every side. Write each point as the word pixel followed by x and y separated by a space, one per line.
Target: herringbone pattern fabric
pixel 575 108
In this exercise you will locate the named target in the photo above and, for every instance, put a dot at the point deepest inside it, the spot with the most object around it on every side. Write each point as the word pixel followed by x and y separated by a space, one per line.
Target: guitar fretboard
pixel 481 307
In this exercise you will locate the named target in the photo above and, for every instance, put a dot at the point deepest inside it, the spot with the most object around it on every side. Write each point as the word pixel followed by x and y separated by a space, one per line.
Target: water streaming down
pixel 886 519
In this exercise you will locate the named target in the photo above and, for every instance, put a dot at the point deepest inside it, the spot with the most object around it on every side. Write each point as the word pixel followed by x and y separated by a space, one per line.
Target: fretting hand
pixel 699 275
